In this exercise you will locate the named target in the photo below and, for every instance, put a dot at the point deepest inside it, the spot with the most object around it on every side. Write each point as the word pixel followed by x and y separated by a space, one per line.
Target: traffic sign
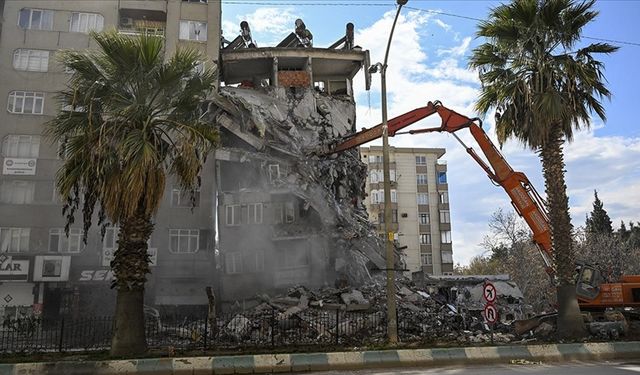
pixel 489 292
pixel 490 313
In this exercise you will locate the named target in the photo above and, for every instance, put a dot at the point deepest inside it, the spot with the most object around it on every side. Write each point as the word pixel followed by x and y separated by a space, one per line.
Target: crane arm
pixel 524 197
pixel 394 125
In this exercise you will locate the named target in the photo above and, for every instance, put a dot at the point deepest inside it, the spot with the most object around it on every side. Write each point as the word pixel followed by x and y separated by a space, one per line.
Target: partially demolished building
pixel 288 216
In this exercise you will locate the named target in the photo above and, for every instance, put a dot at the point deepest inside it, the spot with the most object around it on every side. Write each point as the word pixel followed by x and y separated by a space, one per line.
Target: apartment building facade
pixel 41 270
pixel 421 218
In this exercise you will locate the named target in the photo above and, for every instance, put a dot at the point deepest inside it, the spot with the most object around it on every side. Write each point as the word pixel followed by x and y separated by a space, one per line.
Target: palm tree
pixel 543 89
pixel 131 121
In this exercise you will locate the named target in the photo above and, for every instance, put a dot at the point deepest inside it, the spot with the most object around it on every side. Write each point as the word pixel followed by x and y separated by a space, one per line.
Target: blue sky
pixel 428 61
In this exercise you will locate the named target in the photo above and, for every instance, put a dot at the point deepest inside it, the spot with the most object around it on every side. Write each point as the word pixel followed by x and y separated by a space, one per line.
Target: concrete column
pixel 274 73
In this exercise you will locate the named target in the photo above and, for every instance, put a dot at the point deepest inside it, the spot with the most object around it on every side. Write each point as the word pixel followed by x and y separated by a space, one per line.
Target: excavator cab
pixel 588 282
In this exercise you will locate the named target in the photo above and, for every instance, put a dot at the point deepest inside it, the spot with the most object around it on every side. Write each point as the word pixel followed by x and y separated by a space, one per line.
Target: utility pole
pixel 392 319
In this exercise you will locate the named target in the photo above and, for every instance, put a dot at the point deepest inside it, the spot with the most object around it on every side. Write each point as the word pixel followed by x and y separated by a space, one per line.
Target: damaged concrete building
pixel 288 215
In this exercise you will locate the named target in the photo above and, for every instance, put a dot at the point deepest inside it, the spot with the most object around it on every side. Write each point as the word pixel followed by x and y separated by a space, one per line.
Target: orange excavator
pixel 593 293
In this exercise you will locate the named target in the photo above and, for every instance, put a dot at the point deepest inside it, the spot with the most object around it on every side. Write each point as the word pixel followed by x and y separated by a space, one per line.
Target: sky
pixel 428 61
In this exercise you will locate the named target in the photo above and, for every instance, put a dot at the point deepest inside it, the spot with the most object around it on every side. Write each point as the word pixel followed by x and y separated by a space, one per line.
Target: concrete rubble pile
pixel 288 127
pixel 358 316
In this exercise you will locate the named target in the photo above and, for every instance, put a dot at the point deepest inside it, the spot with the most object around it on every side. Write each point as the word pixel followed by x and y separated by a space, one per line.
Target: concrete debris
pixel 287 127
pixel 238 326
pixel 544 330
pixel 608 330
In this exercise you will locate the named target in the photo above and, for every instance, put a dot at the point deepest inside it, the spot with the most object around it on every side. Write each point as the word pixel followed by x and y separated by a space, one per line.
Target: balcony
pixel 142 21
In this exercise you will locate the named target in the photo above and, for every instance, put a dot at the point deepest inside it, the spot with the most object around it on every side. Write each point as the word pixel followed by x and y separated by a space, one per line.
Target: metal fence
pixel 265 328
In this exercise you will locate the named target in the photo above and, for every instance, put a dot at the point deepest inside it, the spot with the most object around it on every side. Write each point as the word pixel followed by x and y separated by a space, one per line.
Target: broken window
pixel 85 22
pixel 421 160
pixel 274 172
pixel 424 218
pixel 233 214
pixel 445 236
pixel 445 216
pixel 294 258
pixel 255 213
pixel 233 262
pixel 425 239
pixel 426 259
pixel 184 241
pixel 444 197
pixel 26 102
pixel 447 257
pixel 193 30
pixel 289 212
pixel 423 198
pixel 421 179
pixel 394 217
pixel 35 19
pixel 31 60
pixel 182 198
pixel 374 177
pixel 442 177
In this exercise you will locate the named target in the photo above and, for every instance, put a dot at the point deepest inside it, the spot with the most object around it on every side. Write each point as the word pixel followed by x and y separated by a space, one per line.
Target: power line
pixel 387 3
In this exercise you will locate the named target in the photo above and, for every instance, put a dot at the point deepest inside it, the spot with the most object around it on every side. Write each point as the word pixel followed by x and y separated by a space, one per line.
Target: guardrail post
pixel 337 326
pixel 273 327
pixel 206 332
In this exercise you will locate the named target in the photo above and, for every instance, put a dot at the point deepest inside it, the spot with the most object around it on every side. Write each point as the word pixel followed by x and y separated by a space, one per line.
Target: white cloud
pixel 440 23
pixel 268 25
pixel 610 164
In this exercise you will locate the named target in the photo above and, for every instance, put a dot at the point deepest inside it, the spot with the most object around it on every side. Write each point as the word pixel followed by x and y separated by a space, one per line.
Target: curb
pixel 299 362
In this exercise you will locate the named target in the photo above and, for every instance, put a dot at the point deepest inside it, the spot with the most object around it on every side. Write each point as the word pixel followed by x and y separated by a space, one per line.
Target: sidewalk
pixel 270 363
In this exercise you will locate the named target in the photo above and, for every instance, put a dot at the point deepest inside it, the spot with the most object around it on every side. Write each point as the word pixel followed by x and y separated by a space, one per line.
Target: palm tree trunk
pixel 570 323
pixel 130 267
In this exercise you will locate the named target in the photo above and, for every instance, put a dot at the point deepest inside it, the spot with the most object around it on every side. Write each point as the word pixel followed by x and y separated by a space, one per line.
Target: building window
pixel 445 216
pixel 374 178
pixel 233 262
pixel 425 239
pixel 181 198
pixel 394 196
pixel 421 160
pixel 274 172
pixel 21 146
pixel 293 258
pixel 394 217
pixel 193 30
pixel 14 240
pixel 255 213
pixel 444 197
pixel 426 259
pixel 26 102
pixel 374 196
pixel 35 19
pixel 289 212
pixel 447 257
pixel 183 241
pixel 254 261
pixel 85 22
pixel 375 158
pixel 423 198
pixel 445 236
pixel 17 192
pixel 442 177
pixel 232 212
pixel 424 218
pixel 60 243
pixel 31 60
pixel 421 179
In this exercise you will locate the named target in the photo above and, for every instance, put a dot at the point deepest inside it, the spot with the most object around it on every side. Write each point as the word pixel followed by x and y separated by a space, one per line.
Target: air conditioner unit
pixel 126 21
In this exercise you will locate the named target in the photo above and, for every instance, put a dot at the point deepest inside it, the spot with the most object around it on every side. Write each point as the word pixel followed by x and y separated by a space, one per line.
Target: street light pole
pixel 392 319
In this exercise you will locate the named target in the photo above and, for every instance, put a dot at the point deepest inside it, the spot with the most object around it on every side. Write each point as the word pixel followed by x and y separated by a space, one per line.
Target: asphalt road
pixel 571 368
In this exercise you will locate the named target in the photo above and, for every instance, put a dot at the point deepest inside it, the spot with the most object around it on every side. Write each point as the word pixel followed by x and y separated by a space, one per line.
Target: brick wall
pixel 294 78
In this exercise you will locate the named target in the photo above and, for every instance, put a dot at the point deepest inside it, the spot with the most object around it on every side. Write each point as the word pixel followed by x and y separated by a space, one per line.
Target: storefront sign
pixel 96 275
pixel 19 166
pixel 14 269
